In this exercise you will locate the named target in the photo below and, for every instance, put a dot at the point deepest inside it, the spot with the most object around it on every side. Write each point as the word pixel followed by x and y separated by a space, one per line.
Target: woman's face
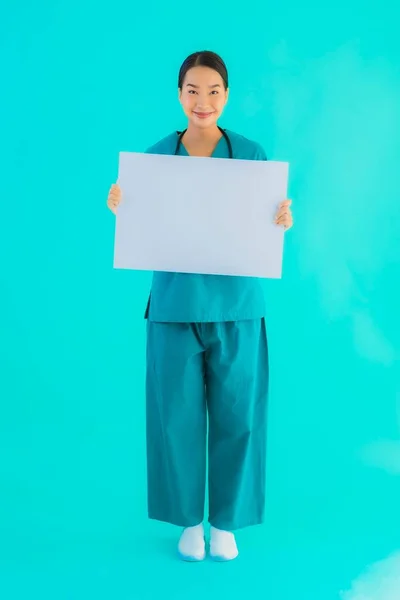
pixel 203 96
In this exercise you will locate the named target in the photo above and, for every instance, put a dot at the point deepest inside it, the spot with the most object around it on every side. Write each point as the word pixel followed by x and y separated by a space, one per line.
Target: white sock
pixel 223 545
pixel 192 544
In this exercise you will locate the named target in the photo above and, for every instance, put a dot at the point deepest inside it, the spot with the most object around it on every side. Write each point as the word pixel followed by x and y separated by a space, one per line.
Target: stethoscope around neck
pixel 228 141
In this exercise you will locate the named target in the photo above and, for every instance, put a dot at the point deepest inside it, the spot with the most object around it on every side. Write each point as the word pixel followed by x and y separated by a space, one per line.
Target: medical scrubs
pixel 207 387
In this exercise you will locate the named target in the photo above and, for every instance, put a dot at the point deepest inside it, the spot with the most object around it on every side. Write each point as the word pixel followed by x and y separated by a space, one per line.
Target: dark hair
pixel 203 59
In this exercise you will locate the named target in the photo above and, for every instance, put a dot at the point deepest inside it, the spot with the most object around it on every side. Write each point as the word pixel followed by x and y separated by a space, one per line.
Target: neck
pixel 197 135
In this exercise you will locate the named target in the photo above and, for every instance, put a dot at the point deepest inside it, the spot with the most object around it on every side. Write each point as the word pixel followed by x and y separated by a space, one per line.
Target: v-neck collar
pixel 215 154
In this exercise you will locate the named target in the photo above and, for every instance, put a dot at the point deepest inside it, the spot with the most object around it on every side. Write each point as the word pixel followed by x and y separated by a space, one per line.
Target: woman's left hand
pixel 284 215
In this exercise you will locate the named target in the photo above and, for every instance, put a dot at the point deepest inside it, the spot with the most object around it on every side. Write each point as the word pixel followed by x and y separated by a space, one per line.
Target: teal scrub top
pixel 193 298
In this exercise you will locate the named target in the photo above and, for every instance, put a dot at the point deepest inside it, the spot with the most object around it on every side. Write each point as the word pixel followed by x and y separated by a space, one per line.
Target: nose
pixel 203 100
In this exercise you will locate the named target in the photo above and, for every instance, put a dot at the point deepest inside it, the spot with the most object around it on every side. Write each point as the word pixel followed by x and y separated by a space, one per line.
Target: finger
pixel 286 203
pixel 284 221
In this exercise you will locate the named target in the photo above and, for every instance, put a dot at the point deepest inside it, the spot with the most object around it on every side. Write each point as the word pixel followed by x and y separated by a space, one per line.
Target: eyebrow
pixel 196 86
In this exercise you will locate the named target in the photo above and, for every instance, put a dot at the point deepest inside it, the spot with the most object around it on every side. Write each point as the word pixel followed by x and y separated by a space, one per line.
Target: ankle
pixel 216 531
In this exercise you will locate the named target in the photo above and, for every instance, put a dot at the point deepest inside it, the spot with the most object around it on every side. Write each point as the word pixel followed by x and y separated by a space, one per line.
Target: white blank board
pixel 188 214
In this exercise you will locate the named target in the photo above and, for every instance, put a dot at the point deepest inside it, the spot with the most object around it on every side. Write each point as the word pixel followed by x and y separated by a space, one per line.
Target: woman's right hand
pixel 114 198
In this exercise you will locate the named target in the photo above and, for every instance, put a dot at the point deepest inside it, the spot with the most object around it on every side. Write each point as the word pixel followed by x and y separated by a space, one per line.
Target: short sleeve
pixel 260 153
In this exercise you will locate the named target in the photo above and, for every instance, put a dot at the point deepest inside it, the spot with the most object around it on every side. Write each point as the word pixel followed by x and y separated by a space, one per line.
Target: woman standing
pixel 207 356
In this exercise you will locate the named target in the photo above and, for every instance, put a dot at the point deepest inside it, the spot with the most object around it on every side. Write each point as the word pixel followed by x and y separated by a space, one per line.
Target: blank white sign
pixel 188 214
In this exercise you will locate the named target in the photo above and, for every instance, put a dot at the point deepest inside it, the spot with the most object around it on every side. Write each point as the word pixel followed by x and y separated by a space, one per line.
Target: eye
pixel 214 92
pixel 192 91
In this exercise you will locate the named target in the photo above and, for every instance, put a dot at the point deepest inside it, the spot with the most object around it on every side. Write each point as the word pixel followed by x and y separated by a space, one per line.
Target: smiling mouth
pixel 203 115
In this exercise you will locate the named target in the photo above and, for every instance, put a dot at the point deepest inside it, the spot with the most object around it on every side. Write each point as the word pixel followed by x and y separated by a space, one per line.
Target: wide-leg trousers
pixel 207 390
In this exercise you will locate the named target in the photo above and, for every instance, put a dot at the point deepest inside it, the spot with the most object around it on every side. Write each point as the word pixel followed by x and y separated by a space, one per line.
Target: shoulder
pixel 166 145
pixel 244 148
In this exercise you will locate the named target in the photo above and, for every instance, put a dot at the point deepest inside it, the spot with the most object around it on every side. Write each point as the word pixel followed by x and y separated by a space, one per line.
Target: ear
pixel 179 94
pixel 226 96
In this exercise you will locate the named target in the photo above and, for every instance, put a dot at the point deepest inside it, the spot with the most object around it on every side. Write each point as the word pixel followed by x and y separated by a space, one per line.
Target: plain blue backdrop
pixel 317 85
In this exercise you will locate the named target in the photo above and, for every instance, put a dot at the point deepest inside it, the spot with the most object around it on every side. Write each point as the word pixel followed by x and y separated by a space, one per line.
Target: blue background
pixel 317 85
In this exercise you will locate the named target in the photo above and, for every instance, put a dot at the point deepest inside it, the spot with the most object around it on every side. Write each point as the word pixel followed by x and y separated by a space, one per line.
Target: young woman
pixel 207 356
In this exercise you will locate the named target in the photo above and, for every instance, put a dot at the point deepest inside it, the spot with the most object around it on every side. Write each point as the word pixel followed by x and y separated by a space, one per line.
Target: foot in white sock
pixel 222 545
pixel 192 547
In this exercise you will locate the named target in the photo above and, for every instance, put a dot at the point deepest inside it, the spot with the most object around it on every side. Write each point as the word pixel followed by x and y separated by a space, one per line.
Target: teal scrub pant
pixel 195 371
